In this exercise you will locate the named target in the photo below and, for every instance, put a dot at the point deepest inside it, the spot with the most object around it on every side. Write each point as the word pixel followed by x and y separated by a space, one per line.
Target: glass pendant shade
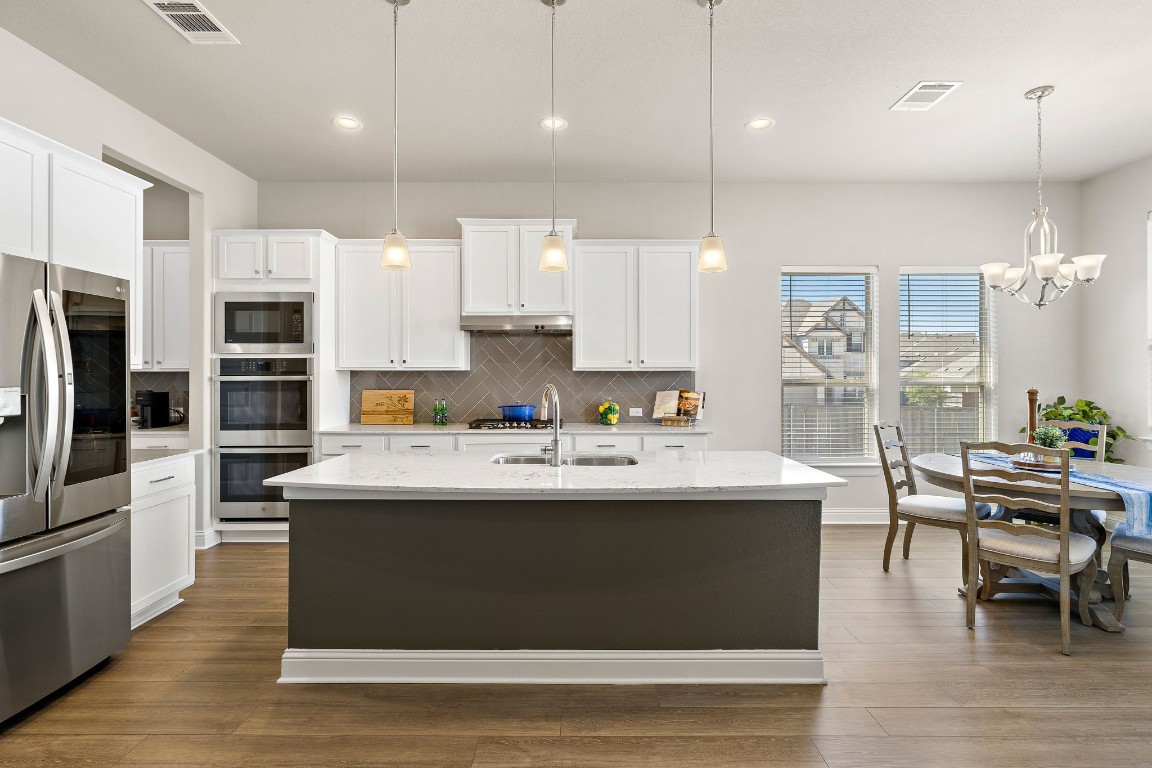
pixel 712 258
pixel 1088 267
pixel 554 254
pixel 1047 265
pixel 1012 276
pixel 994 273
pixel 395 254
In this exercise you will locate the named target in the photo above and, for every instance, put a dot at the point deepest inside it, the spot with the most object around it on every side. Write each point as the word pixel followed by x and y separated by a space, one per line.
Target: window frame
pixel 867 461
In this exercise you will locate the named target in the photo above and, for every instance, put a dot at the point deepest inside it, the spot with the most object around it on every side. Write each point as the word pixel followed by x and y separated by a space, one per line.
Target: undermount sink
pixel 592 460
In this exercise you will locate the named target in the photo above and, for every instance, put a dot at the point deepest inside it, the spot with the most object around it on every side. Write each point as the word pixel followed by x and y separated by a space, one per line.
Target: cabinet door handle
pixel 605 446
pixel 351 446
pixel 673 446
pixel 162 479
pixel 419 446
pixel 159 362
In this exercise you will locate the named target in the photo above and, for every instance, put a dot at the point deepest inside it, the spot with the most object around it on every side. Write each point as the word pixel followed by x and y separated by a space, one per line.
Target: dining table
pixel 1090 509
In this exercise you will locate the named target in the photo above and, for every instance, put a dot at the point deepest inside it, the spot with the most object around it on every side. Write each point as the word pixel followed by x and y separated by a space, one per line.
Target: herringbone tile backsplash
pixel 175 383
pixel 510 369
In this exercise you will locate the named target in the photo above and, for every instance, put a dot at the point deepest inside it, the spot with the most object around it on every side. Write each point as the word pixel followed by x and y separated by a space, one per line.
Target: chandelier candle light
pixel 395 255
pixel 1042 259
pixel 712 258
pixel 553 253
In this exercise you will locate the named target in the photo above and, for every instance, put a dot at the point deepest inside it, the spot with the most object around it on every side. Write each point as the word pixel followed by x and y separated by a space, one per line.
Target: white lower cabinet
pixel 338 445
pixel 432 443
pixel 505 443
pixel 606 443
pixel 163 535
pixel 675 442
pixel 160 440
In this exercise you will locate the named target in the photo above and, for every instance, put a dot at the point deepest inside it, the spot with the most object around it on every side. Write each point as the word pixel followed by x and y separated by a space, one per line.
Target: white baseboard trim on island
pixel 854 516
pixel 787 667
pixel 255 532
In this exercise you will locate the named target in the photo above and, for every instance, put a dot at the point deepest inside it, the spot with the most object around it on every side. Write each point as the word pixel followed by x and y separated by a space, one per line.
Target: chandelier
pixel 1042 258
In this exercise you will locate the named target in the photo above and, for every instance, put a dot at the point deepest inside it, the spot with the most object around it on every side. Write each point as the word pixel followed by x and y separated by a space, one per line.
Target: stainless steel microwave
pixel 263 323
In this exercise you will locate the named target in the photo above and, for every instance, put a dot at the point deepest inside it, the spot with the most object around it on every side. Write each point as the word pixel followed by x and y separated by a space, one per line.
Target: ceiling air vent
pixel 194 22
pixel 924 96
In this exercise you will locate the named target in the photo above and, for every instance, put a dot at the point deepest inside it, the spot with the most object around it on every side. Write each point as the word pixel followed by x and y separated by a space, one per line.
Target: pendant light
pixel 1042 259
pixel 395 255
pixel 554 253
pixel 712 258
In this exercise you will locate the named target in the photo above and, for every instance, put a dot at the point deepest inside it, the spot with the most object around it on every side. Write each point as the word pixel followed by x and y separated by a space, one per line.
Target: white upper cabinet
pixel 23 197
pixel 266 255
pixel 240 257
pixel 501 274
pixel 668 307
pixel 391 320
pixel 490 269
pixel 635 307
pixel 96 217
pixel 289 257
pixel 171 308
pixel 543 293
pixel 162 308
pixel 604 317
pixel 431 338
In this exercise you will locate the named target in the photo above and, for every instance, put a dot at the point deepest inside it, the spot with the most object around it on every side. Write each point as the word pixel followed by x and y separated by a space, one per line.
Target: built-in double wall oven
pixel 263 428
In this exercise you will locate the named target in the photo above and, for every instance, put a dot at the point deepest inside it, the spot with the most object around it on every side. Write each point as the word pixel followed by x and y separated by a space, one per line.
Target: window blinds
pixel 828 365
pixel 946 361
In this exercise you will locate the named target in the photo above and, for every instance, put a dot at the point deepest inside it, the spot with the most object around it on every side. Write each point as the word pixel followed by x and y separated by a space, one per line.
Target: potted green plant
pixel 1049 436
pixel 1087 412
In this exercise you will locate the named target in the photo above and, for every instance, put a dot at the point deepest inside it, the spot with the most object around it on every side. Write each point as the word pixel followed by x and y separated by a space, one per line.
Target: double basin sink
pixel 594 460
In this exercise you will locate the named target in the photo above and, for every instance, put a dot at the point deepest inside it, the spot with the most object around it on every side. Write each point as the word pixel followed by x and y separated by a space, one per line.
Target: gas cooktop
pixel 502 424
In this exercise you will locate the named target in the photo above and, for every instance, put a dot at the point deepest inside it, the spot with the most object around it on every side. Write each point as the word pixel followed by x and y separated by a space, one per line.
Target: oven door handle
pixel 51 383
pixel 68 387
pixel 223 378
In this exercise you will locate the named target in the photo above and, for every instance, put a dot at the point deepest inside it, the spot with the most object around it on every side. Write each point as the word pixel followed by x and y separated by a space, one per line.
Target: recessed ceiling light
pixel 347 123
pixel 760 124
pixel 553 123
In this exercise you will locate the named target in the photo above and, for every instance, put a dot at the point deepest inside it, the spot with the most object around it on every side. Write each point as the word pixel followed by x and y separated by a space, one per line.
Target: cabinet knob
pixel 391 361
pixel 404 361
pixel 255 271
pixel 147 362
pixel 159 362
pixel 522 305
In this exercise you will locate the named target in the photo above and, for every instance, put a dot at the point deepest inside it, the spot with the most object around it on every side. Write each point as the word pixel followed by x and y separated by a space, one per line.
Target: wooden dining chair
pixel 1125 547
pixel 1011 544
pixel 916 508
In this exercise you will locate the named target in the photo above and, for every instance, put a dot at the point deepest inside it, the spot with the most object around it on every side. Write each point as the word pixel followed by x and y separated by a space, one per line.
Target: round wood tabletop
pixel 944 470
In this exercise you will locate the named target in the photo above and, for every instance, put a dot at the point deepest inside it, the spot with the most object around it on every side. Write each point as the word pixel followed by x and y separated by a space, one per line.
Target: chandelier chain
pixel 555 126
pixel 1040 152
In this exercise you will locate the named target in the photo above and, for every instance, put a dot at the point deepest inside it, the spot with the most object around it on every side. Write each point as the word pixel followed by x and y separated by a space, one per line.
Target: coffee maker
pixel 153 409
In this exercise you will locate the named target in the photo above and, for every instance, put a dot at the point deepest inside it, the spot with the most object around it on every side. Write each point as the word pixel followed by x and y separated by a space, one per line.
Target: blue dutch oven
pixel 517 412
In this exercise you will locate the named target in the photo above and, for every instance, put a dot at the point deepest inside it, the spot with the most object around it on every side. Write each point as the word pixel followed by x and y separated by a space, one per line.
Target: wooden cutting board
pixel 387 406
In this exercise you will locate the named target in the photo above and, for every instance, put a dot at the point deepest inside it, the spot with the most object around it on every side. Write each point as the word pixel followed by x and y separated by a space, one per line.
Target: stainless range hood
pixel 556 325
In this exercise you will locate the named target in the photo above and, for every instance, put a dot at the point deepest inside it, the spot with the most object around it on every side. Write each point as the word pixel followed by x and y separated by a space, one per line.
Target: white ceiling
pixel 632 79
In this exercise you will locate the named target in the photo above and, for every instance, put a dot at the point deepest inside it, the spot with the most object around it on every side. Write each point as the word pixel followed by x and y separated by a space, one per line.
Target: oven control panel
pixel 263 366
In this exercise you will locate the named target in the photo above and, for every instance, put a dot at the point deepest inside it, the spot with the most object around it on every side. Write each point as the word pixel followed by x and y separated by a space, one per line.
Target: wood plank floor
pixel 909 686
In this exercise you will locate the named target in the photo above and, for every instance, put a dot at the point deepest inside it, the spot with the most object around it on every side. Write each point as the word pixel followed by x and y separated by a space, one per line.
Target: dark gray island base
pixel 561 587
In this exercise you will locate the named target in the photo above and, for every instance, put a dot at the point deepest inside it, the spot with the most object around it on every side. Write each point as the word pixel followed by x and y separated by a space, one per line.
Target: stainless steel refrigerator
pixel 64 476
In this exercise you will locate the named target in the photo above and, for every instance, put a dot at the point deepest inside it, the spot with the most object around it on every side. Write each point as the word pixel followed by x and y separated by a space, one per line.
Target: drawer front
pixel 606 443
pixel 676 443
pixel 434 443
pixel 147 479
pixel 337 445
pixel 504 443
pixel 160 441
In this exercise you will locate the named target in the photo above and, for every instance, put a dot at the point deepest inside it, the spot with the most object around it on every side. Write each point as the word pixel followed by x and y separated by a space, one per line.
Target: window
pixel 946 361
pixel 828 398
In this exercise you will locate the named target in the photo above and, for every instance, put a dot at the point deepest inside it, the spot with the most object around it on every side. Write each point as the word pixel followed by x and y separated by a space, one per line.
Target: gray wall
pixel 165 206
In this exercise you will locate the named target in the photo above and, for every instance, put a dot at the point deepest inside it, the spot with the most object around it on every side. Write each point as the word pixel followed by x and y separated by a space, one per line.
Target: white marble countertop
pixel 659 475
pixel 144 455
pixel 641 428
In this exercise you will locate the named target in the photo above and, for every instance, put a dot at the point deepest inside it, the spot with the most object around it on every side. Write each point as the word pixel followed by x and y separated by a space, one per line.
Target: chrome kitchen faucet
pixel 552 408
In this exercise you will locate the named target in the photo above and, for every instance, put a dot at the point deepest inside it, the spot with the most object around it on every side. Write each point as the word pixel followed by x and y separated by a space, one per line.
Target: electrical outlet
pixel 635 411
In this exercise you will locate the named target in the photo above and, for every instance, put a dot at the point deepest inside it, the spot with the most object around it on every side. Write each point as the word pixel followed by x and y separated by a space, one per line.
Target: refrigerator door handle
pixel 68 385
pixel 51 383
pixel 60 544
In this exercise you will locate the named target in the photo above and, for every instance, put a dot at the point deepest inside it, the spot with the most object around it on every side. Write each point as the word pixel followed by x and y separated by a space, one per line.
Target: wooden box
pixel 387 406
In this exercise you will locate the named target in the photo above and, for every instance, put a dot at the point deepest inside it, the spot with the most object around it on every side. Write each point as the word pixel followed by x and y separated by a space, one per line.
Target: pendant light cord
pixel 396 118
pixel 1039 152
pixel 711 118
pixel 555 127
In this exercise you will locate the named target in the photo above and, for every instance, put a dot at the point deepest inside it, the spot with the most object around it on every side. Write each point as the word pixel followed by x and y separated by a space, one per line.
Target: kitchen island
pixel 684 567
